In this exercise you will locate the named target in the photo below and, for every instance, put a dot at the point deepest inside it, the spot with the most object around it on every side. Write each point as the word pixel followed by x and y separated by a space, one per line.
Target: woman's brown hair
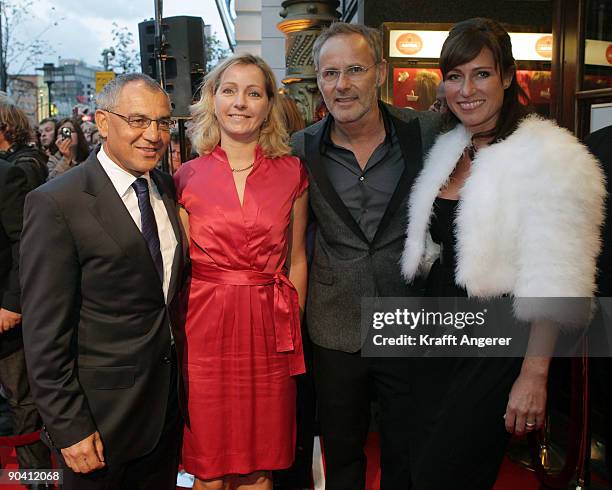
pixel 465 41
pixel 15 125
pixel 294 120
pixel 82 149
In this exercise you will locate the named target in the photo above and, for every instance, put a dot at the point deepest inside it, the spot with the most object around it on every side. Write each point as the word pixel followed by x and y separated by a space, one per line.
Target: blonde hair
pixel 204 131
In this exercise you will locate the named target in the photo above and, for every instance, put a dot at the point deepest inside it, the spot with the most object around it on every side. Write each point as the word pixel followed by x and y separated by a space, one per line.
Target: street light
pixel 108 52
pixel 48 70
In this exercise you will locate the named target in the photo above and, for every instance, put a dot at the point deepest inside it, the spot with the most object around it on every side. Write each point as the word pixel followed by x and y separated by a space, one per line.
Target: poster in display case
pixel 415 88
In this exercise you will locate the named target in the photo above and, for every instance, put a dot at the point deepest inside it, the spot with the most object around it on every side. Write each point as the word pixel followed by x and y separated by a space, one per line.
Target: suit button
pixel 165 359
pixel 361 179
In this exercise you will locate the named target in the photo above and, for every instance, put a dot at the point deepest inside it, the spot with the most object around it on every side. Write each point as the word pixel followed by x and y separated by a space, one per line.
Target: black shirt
pixel 366 193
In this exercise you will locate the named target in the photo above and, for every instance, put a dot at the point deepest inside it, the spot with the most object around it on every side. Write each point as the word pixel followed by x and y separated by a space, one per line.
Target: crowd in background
pixel 65 142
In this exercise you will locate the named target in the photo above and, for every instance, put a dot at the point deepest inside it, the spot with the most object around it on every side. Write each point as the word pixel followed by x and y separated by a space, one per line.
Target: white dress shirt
pixel 122 181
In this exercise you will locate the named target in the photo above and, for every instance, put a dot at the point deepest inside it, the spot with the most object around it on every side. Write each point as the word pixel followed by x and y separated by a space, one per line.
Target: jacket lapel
pixel 437 169
pixel 110 211
pixel 313 143
pixel 409 137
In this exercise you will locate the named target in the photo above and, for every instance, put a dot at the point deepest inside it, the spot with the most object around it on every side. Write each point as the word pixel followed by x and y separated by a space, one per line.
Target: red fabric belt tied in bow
pixel 286 306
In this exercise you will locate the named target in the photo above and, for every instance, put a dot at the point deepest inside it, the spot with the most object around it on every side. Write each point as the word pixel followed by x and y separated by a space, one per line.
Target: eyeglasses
pixel 141 122
pixel 355 72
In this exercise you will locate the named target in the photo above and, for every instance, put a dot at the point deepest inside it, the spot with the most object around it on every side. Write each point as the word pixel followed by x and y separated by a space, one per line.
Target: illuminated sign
pixel 526 46
pixel 544 46
pixel 416 44
pixel 409 43
pixel 597 52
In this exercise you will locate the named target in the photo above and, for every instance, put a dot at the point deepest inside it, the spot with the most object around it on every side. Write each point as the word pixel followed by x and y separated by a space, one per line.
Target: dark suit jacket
pixel 346 266
pixel 95 321
pixel 31 160
pixel 13 188
pixel 600 144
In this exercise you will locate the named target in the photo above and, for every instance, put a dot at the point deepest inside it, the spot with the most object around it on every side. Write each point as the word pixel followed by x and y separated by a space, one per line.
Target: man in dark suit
pixel 101 260
pixel 13 376
pixel 362 159
pixel 13 188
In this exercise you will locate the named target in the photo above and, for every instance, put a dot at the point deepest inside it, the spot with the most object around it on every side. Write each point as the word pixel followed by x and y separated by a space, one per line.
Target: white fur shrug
pixel 529 217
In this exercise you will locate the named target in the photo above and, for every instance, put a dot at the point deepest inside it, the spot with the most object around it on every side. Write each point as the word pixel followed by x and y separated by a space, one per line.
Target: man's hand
pixel 8 320
pixel 85 456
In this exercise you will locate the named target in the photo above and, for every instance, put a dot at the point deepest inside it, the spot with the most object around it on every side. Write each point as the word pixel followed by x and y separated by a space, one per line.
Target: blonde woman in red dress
pixel 244 205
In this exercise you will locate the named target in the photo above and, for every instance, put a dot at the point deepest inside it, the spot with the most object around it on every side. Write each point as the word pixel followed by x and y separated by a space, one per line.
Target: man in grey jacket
pixel 362 160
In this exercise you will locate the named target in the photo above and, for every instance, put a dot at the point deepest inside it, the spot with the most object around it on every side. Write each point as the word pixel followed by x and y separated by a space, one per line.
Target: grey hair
pixel 107 98
pixel 371 35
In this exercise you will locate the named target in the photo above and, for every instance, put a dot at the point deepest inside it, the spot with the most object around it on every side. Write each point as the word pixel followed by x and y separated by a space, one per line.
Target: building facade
pixel 29 93
pixel 70 83
pixel 256 32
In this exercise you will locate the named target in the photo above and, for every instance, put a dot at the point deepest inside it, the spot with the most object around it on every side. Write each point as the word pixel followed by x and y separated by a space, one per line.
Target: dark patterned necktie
pixel 149 225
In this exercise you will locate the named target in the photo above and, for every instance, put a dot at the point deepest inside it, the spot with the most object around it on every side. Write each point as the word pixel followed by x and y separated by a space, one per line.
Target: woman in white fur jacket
pixel 507 204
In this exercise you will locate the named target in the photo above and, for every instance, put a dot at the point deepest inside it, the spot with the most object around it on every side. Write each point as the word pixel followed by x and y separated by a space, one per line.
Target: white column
pixel 273 40
pixel 248 26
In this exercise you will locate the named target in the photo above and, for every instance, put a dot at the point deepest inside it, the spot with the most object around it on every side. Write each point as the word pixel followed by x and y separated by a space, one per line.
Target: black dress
pixel 441 278
pixel 464 444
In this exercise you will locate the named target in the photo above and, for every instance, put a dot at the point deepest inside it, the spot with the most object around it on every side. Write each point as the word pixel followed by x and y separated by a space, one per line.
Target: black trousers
pixel 346 384
pixel 25 417
pixel 463 442
pixel 441 420
pixel 154 471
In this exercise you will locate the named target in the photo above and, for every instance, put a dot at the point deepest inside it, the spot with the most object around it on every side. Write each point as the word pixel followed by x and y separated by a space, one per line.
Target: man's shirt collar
pixel 122 180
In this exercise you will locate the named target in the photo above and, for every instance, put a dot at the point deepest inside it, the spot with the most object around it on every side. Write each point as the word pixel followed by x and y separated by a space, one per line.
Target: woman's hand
pixel 65 147
pixel 526 407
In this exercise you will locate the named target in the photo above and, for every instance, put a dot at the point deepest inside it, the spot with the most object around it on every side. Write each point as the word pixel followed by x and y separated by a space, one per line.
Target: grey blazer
pixel 346 266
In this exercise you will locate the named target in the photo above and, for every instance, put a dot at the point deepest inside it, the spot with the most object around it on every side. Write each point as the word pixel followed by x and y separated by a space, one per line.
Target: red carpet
pixel 511 475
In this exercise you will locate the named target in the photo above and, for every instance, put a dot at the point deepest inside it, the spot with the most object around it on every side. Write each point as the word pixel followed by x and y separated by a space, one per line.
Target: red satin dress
pixel 242 329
